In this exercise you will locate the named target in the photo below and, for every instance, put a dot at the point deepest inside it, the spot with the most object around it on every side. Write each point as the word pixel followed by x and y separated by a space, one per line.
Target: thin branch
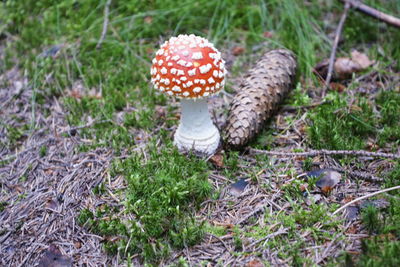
pixel 313 153
pixel 334 48
pixel 105 24
pixel 389 19
pixel 366 196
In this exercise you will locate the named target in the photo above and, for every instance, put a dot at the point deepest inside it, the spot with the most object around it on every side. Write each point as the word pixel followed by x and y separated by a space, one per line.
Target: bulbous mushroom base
pixel 203 145
pixel 196 131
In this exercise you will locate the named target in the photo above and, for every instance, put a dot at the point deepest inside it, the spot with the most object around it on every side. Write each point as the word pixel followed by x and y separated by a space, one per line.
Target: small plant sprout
pixel 191 68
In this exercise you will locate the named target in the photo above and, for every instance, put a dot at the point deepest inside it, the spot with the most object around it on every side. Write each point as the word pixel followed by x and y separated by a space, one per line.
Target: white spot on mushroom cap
pixel 170 64
pixel 211 80
pixel 181 72
pixel 189 83
pixel 160 52
pixel 182 62
pixel 197 89
pixel 215 73
pixel 176 89
pixel 176 57
pixel 205 68
pixel 185 53
pixel 173 71
pixel 192 72
pixel 183 78
pixel 164 70
pixel 186 93
pixel 197 55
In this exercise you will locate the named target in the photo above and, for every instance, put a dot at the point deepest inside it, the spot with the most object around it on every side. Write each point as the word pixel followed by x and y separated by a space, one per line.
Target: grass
pixel 338 126
pixel 54 44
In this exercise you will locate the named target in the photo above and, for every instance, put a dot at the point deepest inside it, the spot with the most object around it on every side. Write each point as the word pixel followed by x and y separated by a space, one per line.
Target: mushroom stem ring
pixel 196 131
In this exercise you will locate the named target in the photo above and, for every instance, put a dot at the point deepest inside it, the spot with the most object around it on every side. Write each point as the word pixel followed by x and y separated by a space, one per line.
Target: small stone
pixel 328 179
pixel 237 188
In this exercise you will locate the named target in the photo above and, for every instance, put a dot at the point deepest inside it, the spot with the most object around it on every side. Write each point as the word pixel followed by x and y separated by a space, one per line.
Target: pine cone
pixel 261 90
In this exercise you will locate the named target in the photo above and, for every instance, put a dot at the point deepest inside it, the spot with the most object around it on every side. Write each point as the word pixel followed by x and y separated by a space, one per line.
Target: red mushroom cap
pixel 188 66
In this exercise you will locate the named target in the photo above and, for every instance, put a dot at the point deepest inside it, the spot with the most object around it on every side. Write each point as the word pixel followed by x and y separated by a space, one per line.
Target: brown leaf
pixel 217 160
pixel 255 263
pixel 361 59
pixel 148 19
pixel 338 87
pixel 237 50
pixel 75 94
pixel 303 187
pixel 344 67
pixel 268 34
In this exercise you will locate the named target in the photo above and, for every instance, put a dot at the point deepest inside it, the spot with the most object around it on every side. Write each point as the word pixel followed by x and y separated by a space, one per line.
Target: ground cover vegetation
pixel 86 157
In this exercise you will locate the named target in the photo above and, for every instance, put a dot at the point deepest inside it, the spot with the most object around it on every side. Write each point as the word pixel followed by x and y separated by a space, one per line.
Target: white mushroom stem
pixel 196 131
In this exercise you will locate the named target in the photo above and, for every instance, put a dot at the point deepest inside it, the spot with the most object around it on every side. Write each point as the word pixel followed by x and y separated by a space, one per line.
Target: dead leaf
pixel 75 94
pixel 268 34
pixel 237 50
pixel 361 59
pixel 53 258
pixel 344 67
pixel 148 19
pixel 303 187
pixel 338 87
pixel 217 160
pixel 255 263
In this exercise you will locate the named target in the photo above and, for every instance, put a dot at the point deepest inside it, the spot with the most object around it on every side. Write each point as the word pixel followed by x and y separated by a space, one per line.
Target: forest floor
pixel 89 174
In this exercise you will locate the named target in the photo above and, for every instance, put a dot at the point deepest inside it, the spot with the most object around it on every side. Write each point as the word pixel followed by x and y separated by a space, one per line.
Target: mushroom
pixel 191 68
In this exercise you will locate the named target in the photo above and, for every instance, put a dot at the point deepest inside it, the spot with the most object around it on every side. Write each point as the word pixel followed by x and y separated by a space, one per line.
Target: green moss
pixel 3 205
pixel 336 125
pixel 161 194
pixel 379 251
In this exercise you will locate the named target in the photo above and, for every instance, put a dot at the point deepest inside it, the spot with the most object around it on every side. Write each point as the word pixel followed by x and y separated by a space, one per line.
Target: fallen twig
pixel 334 48
pixel 313 153
pixel 105 24
pixel 389 19
pixel 364 197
